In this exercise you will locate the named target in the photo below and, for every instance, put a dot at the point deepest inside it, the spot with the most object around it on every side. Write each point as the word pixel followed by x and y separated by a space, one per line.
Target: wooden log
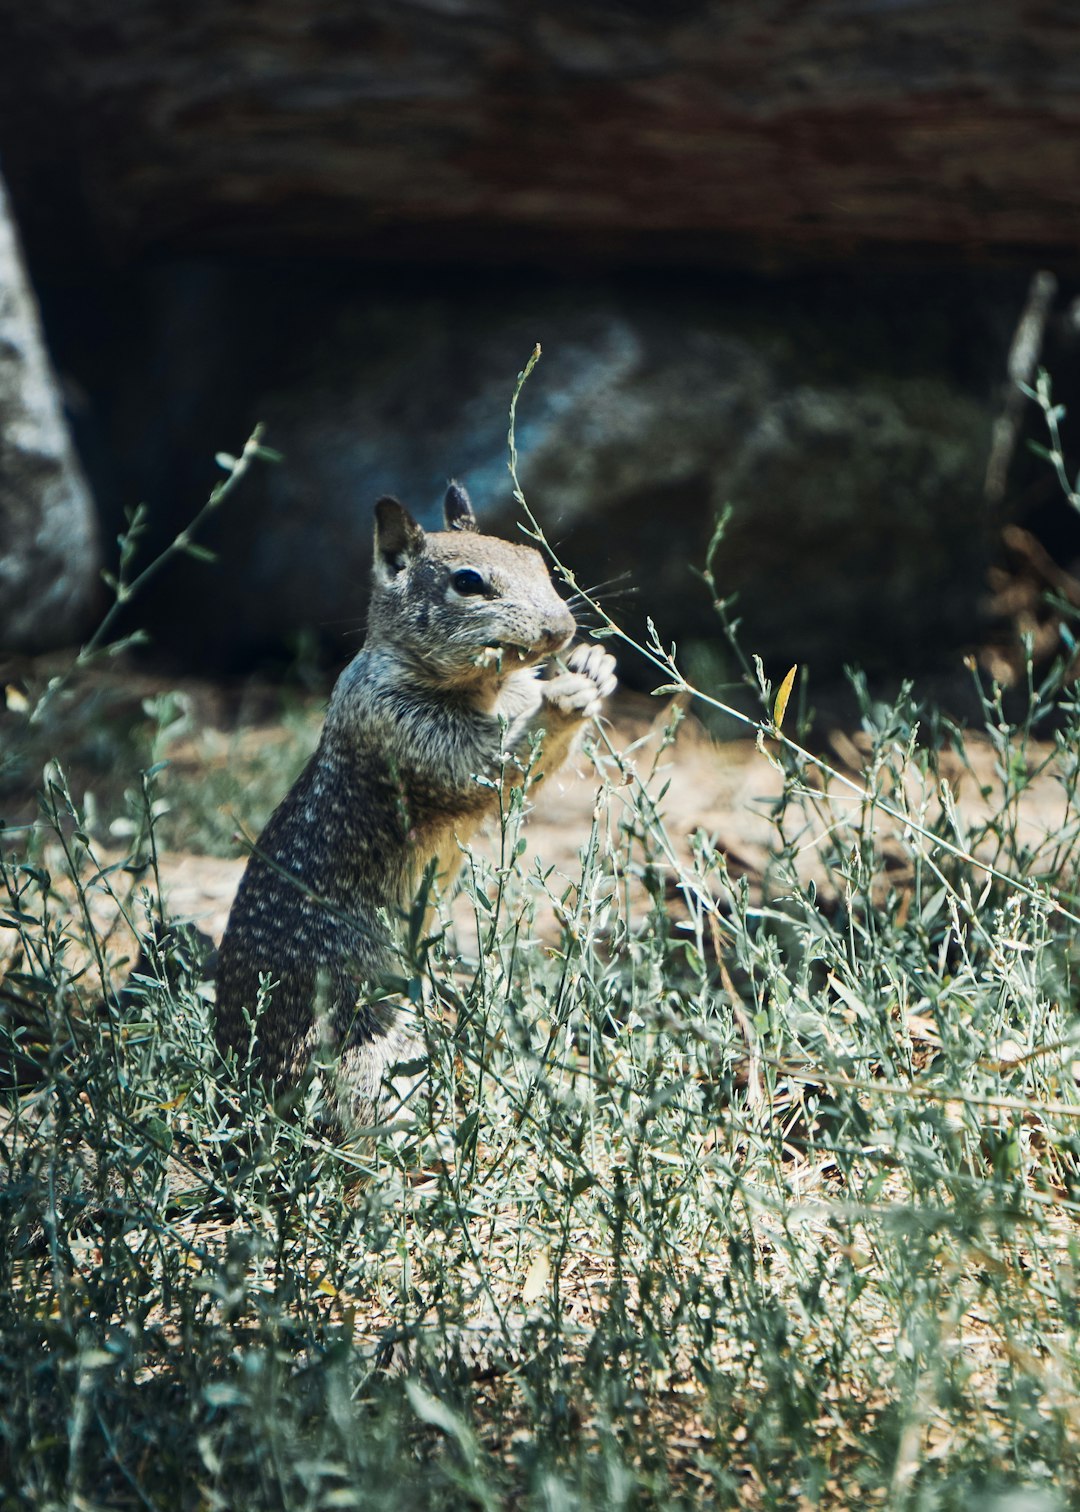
pixel 486 129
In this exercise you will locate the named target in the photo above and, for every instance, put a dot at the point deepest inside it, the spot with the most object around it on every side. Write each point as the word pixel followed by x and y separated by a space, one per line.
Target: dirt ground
pixel 725 788
pixel 722 788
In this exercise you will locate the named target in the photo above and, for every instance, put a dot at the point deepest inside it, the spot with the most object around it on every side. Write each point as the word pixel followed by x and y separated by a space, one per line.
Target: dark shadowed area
pixel 776 257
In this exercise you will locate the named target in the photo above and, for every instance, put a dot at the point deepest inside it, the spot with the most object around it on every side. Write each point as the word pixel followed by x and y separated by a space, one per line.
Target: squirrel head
pixel 463 609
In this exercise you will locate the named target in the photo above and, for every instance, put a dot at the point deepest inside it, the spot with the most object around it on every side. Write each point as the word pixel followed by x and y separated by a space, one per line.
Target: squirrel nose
pixel 556 636
pixel 559 629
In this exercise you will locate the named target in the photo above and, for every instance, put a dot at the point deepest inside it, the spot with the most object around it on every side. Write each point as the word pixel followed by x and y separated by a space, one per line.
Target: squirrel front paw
pixel 578 692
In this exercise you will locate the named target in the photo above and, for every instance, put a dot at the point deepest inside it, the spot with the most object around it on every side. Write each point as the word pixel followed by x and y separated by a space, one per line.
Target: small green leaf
pixel 158 1133
pixel 200 553
pixel 409 1067
pixel 466 1129
pixel 437 1414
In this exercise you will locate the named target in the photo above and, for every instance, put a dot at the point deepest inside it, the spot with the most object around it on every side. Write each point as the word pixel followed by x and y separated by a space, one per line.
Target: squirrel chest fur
pixel 428 726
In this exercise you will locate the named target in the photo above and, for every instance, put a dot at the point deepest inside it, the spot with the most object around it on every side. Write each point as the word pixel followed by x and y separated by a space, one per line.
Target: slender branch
pixel 236 468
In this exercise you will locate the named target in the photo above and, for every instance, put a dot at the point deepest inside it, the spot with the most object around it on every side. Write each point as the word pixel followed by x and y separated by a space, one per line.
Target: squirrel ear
pixel 457 508
pixel 397 538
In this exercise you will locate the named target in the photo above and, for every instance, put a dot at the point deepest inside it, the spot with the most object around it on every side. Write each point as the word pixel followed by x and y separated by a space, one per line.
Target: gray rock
pixel 48 538
pixel 858 532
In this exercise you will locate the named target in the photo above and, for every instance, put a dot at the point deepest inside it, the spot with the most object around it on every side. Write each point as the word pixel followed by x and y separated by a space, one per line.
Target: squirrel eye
pixel 467 580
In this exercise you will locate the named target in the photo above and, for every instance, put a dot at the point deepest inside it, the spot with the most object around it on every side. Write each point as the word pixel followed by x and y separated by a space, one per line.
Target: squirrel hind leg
pixel 370 1089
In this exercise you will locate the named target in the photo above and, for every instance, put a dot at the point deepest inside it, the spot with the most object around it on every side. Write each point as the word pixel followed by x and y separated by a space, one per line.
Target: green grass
pixel 767 1199
pixel 232 752
pixel 716 1191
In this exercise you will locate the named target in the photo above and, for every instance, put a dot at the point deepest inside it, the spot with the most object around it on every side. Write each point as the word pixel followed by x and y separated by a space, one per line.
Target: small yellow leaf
pixel 782 696
pixel 537 1279
pixel 16 701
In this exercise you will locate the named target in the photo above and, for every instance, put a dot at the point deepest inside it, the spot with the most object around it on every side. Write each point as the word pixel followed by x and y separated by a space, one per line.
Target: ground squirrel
pixel 438 714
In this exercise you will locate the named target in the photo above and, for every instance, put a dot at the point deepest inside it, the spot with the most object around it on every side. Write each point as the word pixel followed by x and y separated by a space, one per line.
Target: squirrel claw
pixel 595 663
pixel 578 693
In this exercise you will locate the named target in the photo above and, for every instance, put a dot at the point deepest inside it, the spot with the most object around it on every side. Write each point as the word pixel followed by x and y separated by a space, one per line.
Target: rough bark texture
pixel 474 127
pixel 48 538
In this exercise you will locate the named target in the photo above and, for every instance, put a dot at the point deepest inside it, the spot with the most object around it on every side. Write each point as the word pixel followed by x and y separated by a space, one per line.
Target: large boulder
pixel 48 535
pixel 858 532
